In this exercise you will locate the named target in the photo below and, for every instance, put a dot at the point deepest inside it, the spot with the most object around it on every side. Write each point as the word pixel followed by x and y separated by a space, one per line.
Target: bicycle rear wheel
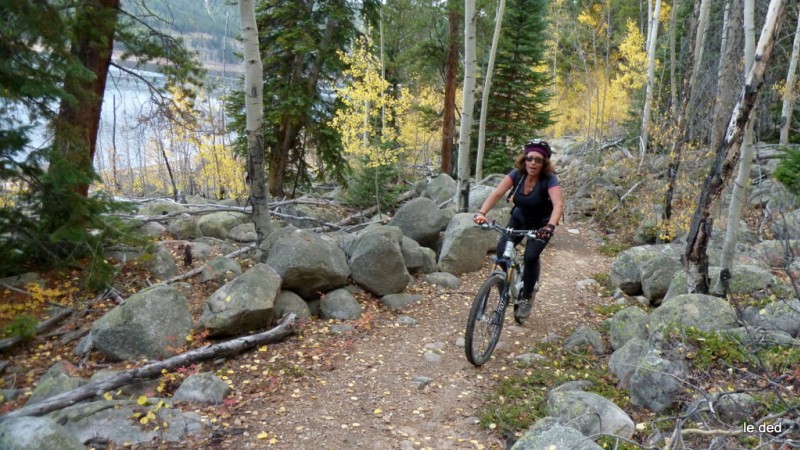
pixel 485 321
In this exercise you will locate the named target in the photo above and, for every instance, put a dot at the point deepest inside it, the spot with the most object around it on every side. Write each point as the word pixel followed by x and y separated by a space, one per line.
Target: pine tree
pixel 519 91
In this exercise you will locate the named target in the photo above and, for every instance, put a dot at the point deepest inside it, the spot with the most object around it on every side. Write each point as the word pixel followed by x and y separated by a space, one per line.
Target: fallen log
pixel 96 388
pixel 43 326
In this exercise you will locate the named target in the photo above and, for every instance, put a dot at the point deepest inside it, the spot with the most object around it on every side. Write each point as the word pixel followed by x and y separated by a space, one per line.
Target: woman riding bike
pixel 538 204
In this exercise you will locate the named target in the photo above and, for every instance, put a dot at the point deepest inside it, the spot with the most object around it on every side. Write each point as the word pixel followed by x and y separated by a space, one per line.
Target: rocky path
pixel 398 380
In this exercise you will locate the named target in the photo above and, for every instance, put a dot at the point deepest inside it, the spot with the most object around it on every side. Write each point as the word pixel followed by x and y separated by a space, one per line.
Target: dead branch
pixel 197 270
pixel 96 388
pixel 7 343
pixel 366 212
pixel 12 288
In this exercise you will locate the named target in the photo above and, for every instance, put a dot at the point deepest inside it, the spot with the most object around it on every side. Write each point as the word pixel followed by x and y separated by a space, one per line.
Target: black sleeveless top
pixel 535 208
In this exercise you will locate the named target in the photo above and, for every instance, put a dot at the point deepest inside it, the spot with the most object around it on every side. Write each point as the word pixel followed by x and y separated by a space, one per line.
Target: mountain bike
pixel 501 288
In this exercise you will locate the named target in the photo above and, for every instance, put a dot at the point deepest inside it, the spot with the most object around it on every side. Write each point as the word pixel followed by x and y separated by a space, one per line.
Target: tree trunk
pixel 788 95
pixel 254 112
pixel 449 113
pixel 726 93
pixel 699 49
pixel 462 182
pixel 487 84
pixel 695 258
pixel 673 82
pixel 651 68
pixel 739 190
pixel 99 387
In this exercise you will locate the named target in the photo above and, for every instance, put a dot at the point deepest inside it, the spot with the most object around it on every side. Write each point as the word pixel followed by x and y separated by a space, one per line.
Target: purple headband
pixel 537 149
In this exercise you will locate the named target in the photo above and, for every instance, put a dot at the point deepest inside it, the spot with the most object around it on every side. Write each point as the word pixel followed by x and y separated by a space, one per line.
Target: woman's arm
pixel 556 196
pixel 496 195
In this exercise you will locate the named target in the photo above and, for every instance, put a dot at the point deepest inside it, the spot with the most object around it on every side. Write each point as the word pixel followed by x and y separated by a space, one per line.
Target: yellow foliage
pixel 220 167
pixel 593 17
pixel 633 59
pixel 421 139
pixel 368 106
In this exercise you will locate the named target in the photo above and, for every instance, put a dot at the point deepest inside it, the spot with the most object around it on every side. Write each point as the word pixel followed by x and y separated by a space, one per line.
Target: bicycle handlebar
pixel 506 231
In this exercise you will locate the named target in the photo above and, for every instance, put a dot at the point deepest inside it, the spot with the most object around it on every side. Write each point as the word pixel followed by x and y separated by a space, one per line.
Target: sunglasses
pixel 536 159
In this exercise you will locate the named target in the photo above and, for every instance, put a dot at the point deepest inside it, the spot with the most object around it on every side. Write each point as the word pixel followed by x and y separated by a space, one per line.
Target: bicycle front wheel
pixel 485 321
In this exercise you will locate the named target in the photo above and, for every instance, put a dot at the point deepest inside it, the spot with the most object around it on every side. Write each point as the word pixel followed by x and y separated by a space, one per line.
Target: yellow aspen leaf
pixel 144 420
pixel 228 298
pixel 142 400
pixel 107 396
pixel 377 411
pixel 273 441
pixel 262 435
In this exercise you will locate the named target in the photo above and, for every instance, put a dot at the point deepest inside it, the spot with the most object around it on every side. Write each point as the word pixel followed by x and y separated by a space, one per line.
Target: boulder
pixel 421 220
pixel 416 257
pixel 443 279
pixel 308 264
pixel 220 269
pixel 589 413
pixel 623 361
pixel 464 246
pixel 704 312
pixel 244 304
pixel 203 388
pixel 161 208
pixel 341 305
pixel 288 302
pixel 774 253
pixel 160 262
pixel 245 232
pixel 441 188
pixel 152 324
pixel 399 301
pixel 152 229
pixel 376 261
pixel 656 382
pixel 626 269
pixel 184 228
pixel 787 226
pixel 585 337
pixel 780 315
pixel 36 433
pixel 627 324
pixel 548 434
pixel 219 224
pixel 745 279
pixel 656 275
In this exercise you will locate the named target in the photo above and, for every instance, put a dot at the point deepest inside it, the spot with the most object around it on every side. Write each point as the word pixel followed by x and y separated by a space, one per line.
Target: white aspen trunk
pixel 487 84
pixel 739 189
pixel 254 112
pixel 788 96
pixel 727 155
pixel 673 85
pixel 462 183
pixel 651 69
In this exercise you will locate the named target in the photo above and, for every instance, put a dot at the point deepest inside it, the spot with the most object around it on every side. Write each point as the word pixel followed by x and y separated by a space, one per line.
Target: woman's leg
pixel 533 249
pixel 501 244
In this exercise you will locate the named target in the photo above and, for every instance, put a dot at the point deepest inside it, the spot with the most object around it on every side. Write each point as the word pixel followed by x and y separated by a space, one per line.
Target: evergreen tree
pixel 299 41
pixel 519 91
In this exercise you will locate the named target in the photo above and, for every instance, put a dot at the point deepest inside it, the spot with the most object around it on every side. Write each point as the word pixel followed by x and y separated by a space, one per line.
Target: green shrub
pixel 371 186
pixel 788 170
pixel 23 325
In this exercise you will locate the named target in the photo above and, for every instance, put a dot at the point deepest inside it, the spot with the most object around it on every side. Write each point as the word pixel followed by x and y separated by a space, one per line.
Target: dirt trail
pixel 365 388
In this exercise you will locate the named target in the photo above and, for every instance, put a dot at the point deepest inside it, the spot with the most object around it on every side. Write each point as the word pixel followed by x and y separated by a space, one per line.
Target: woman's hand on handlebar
pixel 479 218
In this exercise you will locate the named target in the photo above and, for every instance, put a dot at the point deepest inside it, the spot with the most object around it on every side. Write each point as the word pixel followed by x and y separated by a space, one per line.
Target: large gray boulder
pixel 152 324
pixel 627 324
pixel 656 382
pixel 112 421
pixel 656 275
pixel 774 253
pixel 623 361
pixel 464 246
pixel 376 260
pixel 341 305
pixel 57 380
pixel 307 215
pixel 36 433
pixel 416 257
pixel 780 315
pixel 220 269
pixel 161 208
pixel 421 220
pixel 585 338
pixel 745 279
pixel 589 413
pixel 547 434
pixel 203 388
pixel 704 312
pixel 287 302
pixel 440 189
pixel 184 228
pixel 219 224
pixel 160 262
pixel 308 264
pixel 244 304
pixel 626 269
pixel 787 226
pixel 245 232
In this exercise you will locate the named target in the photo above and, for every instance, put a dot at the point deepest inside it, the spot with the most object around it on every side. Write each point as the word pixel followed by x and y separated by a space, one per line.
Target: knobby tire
pixel 486 320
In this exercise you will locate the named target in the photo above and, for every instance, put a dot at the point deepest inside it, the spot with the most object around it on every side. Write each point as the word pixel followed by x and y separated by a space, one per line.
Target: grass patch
pixel 521 400
pixel 612 248
pixel 610 310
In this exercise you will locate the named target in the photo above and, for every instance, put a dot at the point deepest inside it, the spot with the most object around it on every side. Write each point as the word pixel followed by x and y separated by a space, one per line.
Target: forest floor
pixel 382 385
